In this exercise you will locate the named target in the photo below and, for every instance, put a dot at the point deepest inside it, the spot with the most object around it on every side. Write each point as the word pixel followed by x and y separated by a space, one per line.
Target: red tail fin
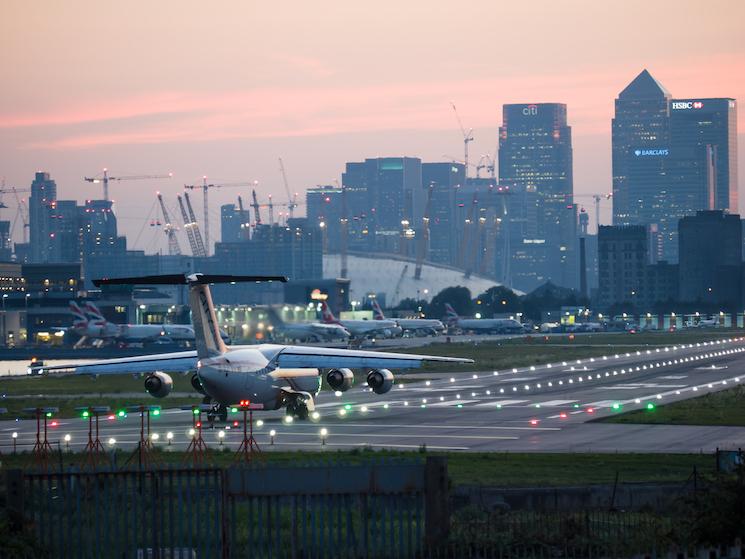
pixel 377 311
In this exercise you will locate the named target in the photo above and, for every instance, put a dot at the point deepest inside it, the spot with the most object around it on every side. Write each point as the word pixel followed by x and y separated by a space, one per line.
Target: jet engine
pixel 340 379
pixel 196 384
pixel 159 385
pixel 380 380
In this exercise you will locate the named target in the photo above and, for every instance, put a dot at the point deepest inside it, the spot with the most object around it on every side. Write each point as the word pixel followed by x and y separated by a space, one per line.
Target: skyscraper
pixel 382 193
pixel 445 179
pixel 704 150
pixel 43 193
pixel 535 155
pixel 640 146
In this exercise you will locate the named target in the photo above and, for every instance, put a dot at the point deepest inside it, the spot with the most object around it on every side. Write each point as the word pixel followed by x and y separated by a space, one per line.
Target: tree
pixel 459 297
pixel 499 299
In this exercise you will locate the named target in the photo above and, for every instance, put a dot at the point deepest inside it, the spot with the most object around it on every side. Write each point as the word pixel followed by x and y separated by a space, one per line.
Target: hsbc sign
pixel 682 105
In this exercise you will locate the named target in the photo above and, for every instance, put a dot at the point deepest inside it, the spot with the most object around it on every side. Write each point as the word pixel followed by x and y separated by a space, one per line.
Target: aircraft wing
pixel 328 358
pixel 179 362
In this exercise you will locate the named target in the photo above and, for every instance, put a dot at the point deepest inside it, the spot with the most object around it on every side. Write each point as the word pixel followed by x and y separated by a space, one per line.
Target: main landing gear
pixel 297 407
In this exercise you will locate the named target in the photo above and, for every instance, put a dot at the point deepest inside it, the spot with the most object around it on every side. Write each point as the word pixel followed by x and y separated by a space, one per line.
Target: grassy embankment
pixel 487 469
pixel 726 407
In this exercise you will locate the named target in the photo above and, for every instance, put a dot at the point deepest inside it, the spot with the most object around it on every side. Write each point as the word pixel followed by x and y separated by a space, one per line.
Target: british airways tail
pixel 451 317
pixel 79 318
pixel 207 336
pixel 377 311
pixel 328 316
pixel 94 313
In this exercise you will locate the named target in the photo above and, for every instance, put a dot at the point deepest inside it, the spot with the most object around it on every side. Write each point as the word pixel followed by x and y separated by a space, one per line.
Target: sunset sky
pixel 225 88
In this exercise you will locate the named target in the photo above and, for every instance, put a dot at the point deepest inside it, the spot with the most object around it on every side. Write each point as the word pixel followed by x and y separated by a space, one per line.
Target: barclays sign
pixel 661 152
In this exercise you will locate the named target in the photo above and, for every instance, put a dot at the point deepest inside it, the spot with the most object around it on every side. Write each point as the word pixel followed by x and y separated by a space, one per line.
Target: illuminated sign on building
pixel 651 152
pixel 678 105
pixel 530 110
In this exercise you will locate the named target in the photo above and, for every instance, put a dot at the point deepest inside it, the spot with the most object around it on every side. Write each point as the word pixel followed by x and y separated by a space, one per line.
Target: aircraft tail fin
pixel 377 311
pixel 206 329
pixel 328 316
pixel 94 313
pixel 451 317
pixel 79 318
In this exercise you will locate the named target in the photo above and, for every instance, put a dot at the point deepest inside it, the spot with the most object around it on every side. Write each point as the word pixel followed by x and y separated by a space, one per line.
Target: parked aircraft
pixel 362 328
pixel 482 325
pixel 268 376
pixel 308 331
pixel 420 326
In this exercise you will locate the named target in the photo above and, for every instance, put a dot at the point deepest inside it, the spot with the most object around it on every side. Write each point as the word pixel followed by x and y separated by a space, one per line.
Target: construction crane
pixel 344 231
pixel 245 225
pixel 173 247
pixel 201 249
pixel 486 161
pixel 255 205
pixel 291 200
pixel 596 198
pixel 467 137
pixel 205 201
pixel 424 240
pixel 106 178
pixel 21 211
pixel 466 229
pixel 188 227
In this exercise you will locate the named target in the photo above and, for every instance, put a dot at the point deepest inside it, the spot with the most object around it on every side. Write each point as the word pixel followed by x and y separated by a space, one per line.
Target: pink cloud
pixel 311 111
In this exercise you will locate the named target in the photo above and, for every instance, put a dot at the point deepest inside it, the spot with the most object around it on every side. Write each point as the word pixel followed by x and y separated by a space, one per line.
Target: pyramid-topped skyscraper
pixel 641 133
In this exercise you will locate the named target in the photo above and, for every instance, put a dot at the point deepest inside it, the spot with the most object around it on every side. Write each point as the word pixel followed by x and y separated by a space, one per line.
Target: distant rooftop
pixel 644 86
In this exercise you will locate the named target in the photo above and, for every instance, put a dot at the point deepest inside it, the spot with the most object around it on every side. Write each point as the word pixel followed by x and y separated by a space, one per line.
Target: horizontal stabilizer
pixel 180 279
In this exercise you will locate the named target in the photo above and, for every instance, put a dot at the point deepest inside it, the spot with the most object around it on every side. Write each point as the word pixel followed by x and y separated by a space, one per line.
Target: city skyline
pixel 76 101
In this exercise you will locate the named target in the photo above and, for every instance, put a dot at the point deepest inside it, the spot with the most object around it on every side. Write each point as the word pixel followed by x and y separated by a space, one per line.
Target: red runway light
pixel 199 423
pixel 54 424
pixel 534 422
pixel 112 417
pixel 563 415
pixel 235 424
pixel 590 410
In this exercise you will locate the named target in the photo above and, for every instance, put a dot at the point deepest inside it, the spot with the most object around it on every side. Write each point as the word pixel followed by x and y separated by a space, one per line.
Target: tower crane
pixel 106 178
pixel 255 206
pixel 344 230
pixel 291 200
pixel 21 212
pixel 467 137
pixel 424 240
pixel 596 198
pixel 466 229
pixel 245 225
pixel 173 247
pixel 195 227
pixel 205 190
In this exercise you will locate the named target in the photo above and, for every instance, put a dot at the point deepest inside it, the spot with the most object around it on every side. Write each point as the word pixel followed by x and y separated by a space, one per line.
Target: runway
pixel 546 408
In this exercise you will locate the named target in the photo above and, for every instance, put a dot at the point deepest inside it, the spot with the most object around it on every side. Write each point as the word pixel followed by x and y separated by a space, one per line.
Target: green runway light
pixel 460 405
pixel 576 405
pixel 650 406
pixel 616 406
pixel 122 413
pixel 156 411
pixel 195 411
pixel 348 407
pixel 499 406
pixel 85 414
pixel 49 414
pixel 233 410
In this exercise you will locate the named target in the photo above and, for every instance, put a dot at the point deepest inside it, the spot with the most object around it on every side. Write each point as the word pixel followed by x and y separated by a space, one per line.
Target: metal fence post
pixel 14 498
pixel 436 502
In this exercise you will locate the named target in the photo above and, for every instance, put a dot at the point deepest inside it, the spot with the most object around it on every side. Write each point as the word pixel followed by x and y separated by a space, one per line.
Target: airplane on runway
pixel 362 328
pixel 268 376
pixel 426 326
pixel 308 331
pixel 482 325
